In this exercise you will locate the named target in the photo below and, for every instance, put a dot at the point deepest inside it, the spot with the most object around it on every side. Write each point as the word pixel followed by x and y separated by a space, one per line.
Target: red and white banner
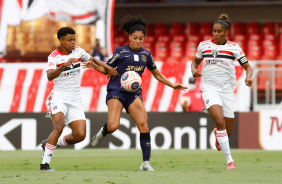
pixel 270 130
pixel 24 88
pixel 98 12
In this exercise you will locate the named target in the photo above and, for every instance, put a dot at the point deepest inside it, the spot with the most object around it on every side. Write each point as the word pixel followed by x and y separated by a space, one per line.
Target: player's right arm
pixel 194 67
pixel 54 73
pixel 197 61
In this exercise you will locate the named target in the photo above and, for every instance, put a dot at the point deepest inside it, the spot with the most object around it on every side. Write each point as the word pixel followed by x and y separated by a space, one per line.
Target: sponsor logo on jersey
pixel 214 61
pixel 144 52
pixel 127 56
pixel 136 57
pixel 135 68
pixel 144 58
pixel 124 50
pixel 71 73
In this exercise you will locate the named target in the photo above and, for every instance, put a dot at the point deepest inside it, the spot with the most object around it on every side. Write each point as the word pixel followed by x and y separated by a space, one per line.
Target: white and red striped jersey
pixel 68 82
pixel 218 71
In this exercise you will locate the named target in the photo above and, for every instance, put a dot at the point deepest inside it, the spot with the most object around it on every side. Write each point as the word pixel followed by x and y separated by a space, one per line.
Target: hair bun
pixel 225 18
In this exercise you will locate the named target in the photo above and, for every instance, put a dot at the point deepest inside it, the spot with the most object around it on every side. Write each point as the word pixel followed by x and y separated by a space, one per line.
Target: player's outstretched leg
pixel 216 142
pixel 145 142
pixel 95 141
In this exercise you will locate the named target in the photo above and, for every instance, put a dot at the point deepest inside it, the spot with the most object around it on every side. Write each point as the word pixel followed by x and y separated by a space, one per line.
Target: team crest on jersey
pixel 207 102
pixel 214 53
pixel 144 58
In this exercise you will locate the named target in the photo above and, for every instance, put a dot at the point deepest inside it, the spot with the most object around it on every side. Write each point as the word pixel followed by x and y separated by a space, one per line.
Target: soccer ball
pixel 130 81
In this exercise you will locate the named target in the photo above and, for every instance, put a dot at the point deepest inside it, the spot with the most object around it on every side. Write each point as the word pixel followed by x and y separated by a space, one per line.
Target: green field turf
pixel 122 166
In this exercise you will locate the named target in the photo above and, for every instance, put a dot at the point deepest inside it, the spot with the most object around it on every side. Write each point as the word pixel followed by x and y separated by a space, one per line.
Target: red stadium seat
pixel 207 37
pixel 191 47
pixel 268 27
pixel 120 40
pixel 237 28
pixel 192 28
pixel 252 27
pixel 150 29
pixel 206 28
pixel 149 44
pixel 162 50
pixel 177 28
pixel 177 48
pixel 161 29
pixel 241 40
pixel 270 47
pixel 278 81
pixel 263 77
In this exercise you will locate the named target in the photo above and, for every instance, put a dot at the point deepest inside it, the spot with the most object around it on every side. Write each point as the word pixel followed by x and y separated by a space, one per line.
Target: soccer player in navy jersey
pixel 125 58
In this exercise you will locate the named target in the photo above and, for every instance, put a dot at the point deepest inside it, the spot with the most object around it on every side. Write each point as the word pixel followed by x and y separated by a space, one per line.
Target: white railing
pixel 270 100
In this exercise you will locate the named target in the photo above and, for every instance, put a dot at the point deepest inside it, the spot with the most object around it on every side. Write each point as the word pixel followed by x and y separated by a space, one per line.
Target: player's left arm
pixel 91 64
pixel 110 70
pixel 160 77
pixel 243 61
pixel 249 73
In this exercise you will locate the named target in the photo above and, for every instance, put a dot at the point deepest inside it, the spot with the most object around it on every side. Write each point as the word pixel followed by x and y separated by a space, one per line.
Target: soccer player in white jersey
pixel 217 79
pixel 64 102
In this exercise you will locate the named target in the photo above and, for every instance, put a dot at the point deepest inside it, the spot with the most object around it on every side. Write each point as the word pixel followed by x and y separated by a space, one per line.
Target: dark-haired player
pixel 130 57
pixel 64 103
pixel 217 79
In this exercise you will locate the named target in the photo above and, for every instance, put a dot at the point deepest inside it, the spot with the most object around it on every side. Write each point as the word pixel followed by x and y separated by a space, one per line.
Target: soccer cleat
pixel 43 144
pixel 45 167
pixel 95 141
pixel 217 145
pixel 145 166
pixel 231 165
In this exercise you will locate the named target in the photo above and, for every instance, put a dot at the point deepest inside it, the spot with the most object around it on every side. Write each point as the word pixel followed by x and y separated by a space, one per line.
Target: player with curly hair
pixel 125 58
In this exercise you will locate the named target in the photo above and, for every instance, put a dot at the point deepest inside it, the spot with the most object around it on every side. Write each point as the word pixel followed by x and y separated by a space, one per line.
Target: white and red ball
pixel 131 81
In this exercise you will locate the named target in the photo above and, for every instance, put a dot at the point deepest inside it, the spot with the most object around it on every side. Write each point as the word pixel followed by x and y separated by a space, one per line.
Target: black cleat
pixel 45 167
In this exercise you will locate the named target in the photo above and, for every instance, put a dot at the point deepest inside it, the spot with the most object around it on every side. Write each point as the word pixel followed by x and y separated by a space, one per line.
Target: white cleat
pixel 145 166
pixel 95 141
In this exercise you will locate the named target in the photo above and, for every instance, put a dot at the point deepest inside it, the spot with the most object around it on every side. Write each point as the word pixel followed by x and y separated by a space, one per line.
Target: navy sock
pixel 145 142
pixel 105 130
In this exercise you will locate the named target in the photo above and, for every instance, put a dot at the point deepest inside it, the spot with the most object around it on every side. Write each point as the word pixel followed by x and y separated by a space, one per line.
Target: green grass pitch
pixel 122 167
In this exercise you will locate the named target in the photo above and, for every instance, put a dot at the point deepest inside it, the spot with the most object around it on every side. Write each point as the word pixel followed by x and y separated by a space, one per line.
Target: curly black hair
pixel 64 31
pixel 130 24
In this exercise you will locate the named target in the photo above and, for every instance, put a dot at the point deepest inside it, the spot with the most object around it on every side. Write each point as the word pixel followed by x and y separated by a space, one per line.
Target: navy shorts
pixel 125 98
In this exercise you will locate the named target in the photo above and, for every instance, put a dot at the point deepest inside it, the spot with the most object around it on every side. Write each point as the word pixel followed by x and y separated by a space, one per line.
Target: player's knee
pixel 143 126
pixel 112 126
pixel 80 137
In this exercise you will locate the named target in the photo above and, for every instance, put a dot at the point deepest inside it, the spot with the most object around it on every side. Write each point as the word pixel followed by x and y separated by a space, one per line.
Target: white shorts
pixel 72 108
pixel 226 100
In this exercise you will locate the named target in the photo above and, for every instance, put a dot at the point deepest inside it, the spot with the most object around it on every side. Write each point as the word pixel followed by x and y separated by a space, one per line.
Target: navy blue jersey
pixel 125 59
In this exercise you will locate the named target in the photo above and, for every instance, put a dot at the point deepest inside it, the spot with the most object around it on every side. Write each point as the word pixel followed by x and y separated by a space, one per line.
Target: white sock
pixel 62 141
pixel 49 150
pixel 223 140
